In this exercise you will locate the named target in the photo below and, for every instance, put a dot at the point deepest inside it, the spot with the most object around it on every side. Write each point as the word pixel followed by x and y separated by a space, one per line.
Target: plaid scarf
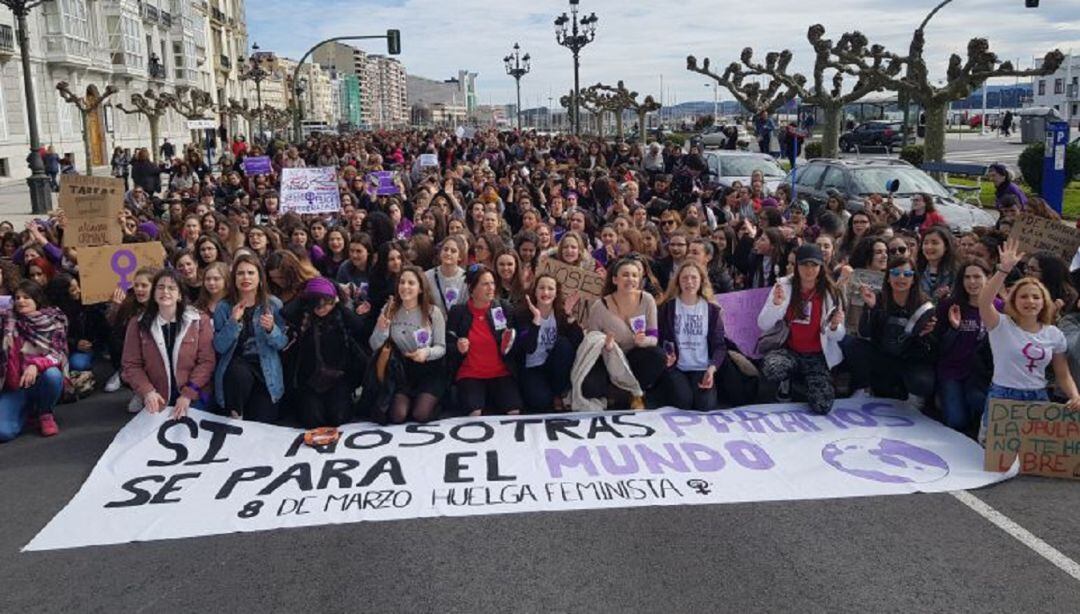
pixel 43 333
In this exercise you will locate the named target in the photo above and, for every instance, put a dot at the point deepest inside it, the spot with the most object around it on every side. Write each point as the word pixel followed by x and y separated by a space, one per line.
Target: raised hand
pixel 868 296
pixel 1010 255
pixel 534 310
pixel 267 322
pixel 954 316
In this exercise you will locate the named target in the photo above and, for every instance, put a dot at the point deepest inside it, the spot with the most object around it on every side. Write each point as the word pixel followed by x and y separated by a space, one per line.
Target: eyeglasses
pixel 901 249
pixel 667 222
pixel 902 272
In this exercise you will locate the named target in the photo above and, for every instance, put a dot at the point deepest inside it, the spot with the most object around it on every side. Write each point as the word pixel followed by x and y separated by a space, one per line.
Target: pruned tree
pixel 153 105
pixel 585 102
pixel 628 100
pixel 86 105
pixel 753 96
pixel 278 119
pixel 194 106
pixel 615 100
pixel 242 109
pixel 826 88
pixel 963 76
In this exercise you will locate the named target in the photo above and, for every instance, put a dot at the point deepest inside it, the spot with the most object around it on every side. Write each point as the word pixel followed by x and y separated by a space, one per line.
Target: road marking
pixel 1024 536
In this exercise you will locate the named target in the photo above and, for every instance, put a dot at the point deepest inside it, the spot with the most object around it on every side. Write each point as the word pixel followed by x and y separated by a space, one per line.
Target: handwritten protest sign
pixel 383 182
pixel 739 312
pixel 104 269
pixel 1037 234
pixel 573 278
pixel 864 277
pixel 257 165
pixel 310 190
pixel 1046 437
pixel 92 205
pixel 427 160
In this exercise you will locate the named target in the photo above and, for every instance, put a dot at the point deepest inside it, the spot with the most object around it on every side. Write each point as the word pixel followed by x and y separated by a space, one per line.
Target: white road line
pixel 1024 536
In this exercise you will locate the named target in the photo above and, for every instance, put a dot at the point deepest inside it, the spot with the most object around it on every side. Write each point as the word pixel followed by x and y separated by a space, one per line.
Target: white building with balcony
pixel 1060 90
pixel 135 45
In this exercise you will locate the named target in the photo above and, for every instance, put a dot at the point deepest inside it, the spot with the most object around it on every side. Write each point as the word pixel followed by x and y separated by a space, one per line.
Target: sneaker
pixel 783 391
pixel 135 405
pixel 47 425
pixel 637 403
pixel 114 383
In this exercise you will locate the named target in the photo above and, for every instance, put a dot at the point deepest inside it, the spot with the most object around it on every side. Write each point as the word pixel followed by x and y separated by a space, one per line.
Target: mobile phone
pixel 669 348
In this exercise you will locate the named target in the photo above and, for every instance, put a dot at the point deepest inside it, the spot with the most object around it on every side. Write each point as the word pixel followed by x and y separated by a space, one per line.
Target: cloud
pixel 642 42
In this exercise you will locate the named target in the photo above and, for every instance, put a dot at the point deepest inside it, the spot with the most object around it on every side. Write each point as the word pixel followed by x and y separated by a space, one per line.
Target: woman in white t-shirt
pixel 1023 340
pixel 692 334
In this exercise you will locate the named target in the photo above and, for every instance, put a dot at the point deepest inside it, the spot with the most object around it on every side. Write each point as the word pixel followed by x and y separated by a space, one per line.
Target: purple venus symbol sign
pixel 885 460
pixel 122 271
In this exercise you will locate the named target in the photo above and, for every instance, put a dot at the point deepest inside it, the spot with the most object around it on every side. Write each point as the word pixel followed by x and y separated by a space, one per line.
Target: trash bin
pixel 1033 123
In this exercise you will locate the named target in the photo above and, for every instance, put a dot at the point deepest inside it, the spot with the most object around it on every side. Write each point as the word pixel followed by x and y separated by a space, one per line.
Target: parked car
pixel 880 134
pixel 856 179
pixel 727 166
pixel 714 137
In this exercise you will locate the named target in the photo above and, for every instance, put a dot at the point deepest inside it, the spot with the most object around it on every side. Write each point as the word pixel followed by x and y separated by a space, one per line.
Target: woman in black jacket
pixel 330 341
pixel 480 338
pixel 145 173
pixel 548 339
pixel 692 335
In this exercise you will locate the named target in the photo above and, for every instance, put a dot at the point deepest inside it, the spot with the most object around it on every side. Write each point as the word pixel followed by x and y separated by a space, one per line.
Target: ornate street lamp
pixel 255 72
pixel 517 66
pixel 574 38
pixel 40 190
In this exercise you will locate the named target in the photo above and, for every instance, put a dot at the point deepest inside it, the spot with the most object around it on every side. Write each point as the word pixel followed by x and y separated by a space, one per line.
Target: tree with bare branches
pixel 753 96
pixel 153 105
pixel 628 101
pixel 86 105
pixel 586 102
pixel 963 76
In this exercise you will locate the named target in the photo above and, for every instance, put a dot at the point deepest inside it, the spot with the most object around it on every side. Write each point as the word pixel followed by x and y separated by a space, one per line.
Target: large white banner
pixel 310 190
pixel 205 475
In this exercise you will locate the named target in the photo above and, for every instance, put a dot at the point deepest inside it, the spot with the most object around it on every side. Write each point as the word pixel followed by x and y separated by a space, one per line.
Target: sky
pixel 646 43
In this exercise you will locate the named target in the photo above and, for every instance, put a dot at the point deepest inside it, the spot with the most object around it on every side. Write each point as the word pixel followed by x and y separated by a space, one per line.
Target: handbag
pixel 324 378
pixel 382 360
pixel 774 338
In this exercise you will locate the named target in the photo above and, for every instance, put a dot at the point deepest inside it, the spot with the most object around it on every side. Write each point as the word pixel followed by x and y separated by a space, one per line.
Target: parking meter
pixel 1054 179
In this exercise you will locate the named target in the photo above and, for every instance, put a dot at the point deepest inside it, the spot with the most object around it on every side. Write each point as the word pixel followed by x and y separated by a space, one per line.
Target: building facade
pixel 449 102
pixel 380 82
pixel 1060 90
pixel 160 45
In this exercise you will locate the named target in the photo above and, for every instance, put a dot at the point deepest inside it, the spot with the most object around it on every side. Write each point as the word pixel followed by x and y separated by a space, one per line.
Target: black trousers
pixel 330 408
pixel 246 393
pixel 681 390
pixel 493 396
pixel 647 364
pixel 540 385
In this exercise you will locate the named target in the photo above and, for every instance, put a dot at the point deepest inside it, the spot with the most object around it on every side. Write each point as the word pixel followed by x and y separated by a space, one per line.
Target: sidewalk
pixel 15 200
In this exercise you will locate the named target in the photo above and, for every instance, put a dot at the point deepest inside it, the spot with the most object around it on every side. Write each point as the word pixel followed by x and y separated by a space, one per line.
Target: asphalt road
pixel 926 553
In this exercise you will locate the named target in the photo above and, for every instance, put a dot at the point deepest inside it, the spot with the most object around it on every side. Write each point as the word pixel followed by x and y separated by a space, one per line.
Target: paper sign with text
pixel 740 311
pixel 310 190
pixel 864 277
pixel 92 206
pixel 588 284
pixel 383 182
pixel 1045 437
pixel 1037 234
pixel 209 475
pixel 257 165
pixel 104 269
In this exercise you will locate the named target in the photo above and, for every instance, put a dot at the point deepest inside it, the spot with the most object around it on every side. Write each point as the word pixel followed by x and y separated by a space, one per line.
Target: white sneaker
pixel 114 383
pixel 861 393
pixel 135 405
pixel 916 402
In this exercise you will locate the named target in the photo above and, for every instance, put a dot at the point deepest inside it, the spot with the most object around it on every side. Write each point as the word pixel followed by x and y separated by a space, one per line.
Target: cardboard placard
pixel 310 190
pixel 92 206
pixel 1037 234
pixel 864 277
pixel 427 160
pixel 588 284
pixel 739 311
pixel 104 269
pixel 1046 437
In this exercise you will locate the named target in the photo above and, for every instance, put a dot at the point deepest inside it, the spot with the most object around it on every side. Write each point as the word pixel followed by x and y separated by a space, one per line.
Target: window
pixel 3 119
pixel 1042 87
pixel 5 170
pixel 834 178
pixel 124 42
pixel 810 176
pixel 76 24
pixel 1059 86
pixel 1073 114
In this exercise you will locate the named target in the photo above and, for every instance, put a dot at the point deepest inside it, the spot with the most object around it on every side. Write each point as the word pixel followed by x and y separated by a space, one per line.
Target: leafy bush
pixel 812 150
pixel 1031 164
pixel 676 139
pixel 913 155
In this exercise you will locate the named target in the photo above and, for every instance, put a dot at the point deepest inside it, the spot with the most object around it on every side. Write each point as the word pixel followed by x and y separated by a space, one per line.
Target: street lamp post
pixel 715 101
pixel 256 73
pixel 581 33
pixel 517 66
pixel 40 190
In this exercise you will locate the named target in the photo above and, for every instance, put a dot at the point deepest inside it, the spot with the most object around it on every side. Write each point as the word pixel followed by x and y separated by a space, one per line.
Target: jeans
pixel 540 385
pixel 683 391
pixel 1012 394
pixel 962 402
pixel 80 361
pixel 40 398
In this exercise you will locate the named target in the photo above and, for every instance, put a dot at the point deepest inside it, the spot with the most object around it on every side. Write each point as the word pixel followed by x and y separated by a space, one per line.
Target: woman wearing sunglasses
pixel 901 358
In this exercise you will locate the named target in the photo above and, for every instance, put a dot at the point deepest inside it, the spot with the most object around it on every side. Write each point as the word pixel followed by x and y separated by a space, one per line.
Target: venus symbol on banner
pixel 127 269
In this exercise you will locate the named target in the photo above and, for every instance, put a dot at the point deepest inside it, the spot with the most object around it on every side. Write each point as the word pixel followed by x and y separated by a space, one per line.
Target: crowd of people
pixel 438 300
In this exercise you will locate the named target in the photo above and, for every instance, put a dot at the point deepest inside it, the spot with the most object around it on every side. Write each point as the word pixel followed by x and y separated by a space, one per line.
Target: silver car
pixel 726 167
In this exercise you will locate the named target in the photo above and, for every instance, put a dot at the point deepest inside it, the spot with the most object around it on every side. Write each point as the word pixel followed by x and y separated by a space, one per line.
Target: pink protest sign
pixel 740 312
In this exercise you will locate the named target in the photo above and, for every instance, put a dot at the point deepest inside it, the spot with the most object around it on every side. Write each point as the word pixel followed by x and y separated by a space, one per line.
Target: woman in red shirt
pixel 480 337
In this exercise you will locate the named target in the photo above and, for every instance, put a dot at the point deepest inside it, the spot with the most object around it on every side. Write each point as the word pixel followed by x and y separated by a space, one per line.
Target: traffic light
pixel 1031 4
pixel 393 42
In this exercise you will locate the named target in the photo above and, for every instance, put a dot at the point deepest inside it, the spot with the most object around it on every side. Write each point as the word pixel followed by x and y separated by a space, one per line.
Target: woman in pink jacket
pixel 168 351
